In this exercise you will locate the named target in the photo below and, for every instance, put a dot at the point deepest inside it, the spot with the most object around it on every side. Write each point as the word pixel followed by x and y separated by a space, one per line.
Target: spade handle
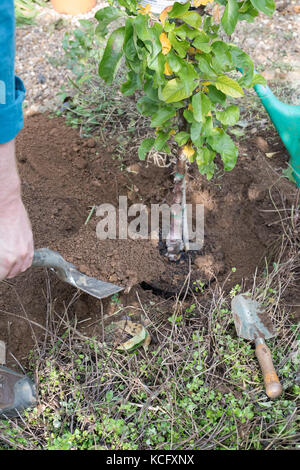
pixel 272 384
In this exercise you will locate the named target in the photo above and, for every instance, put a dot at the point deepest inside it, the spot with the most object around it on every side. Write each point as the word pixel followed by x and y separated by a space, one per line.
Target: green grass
pixel 197 387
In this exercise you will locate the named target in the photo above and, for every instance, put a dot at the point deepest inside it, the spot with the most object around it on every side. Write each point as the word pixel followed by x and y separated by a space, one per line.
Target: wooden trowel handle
pixel 272 384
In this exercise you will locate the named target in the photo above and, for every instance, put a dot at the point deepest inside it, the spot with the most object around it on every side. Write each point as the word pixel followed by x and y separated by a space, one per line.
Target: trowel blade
pixel 90 285
pixel 67 272
pixel 250 319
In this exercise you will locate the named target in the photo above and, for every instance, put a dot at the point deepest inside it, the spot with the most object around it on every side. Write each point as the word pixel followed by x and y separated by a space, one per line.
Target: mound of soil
pixel 64 176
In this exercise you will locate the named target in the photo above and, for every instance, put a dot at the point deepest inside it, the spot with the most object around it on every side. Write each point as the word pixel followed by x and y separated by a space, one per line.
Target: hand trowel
pixel 67 272
pixel 251 323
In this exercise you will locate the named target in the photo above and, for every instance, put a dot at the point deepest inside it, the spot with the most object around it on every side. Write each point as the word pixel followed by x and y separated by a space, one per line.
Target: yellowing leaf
pixel 190 107
pixel 144 10
pixel 188 151
pixel 164 14
pixel 198 3
pixel 172 132
pixel 206 83
pixel 168 70
pixel 229 86
pixel 165 43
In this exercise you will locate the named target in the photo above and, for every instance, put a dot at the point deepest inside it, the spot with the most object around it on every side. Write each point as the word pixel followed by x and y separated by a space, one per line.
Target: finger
pixel 3 274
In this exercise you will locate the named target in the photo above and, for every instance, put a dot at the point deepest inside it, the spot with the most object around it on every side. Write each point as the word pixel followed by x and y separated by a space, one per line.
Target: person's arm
pixel 16 241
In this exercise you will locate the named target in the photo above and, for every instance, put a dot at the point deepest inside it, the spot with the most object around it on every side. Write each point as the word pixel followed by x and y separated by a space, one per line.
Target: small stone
pixel 41 78
pixel 83 268
pixel 135 168
pixel 262 144
pixel 91 143
pixel 80 163
pixel 154 238
pixel 255 192
pixel 204 261
pixel 32 110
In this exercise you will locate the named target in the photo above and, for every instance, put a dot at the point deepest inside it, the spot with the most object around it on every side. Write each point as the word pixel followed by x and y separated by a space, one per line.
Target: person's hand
pixel 16 240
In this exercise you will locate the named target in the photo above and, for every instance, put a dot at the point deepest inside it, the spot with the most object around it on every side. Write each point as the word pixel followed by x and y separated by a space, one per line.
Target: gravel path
pixel 274 45
pixel 39 57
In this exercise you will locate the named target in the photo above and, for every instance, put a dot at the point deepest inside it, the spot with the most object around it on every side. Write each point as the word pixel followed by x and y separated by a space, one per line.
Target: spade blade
pixel 67 272
pixel 250 319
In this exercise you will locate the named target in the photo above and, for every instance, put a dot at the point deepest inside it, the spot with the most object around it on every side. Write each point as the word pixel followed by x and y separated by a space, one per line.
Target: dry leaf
pixel 270 155
pixel 216 14
pixel 136 330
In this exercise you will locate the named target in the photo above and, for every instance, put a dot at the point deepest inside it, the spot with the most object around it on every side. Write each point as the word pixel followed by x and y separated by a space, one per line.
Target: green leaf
pixel 230 116
pixel 180 47
pixel 145 147
pixel 175 62
pixel 162 115
pixel 181 138
pixel 192 18
pixel 178 9
pixel 129 42
pixel 224 145
pixel 243 62
pixel 130 5
pixel 201 106
pixel 229 86
pixel 151 92
pixel 105 17
pixel 188 116
pixel 205 161
pixel 266 6
pixel 258 79
pixel 184 31
pixel 196 136
pixel 222 58
pixel 112 55
pixel 204 65
pixel 132 84
pixel 216 96
pixel 230 16
pixel 160 141
pixel 208 128
pixel 146 106
pixel 202 42
pixel 174 91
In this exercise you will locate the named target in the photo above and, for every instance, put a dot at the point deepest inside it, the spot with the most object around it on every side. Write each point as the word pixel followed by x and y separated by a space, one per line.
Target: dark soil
pixel 64 176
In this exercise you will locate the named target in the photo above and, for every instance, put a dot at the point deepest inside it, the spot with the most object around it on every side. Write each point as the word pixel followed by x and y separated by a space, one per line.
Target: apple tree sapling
pixel 176 57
